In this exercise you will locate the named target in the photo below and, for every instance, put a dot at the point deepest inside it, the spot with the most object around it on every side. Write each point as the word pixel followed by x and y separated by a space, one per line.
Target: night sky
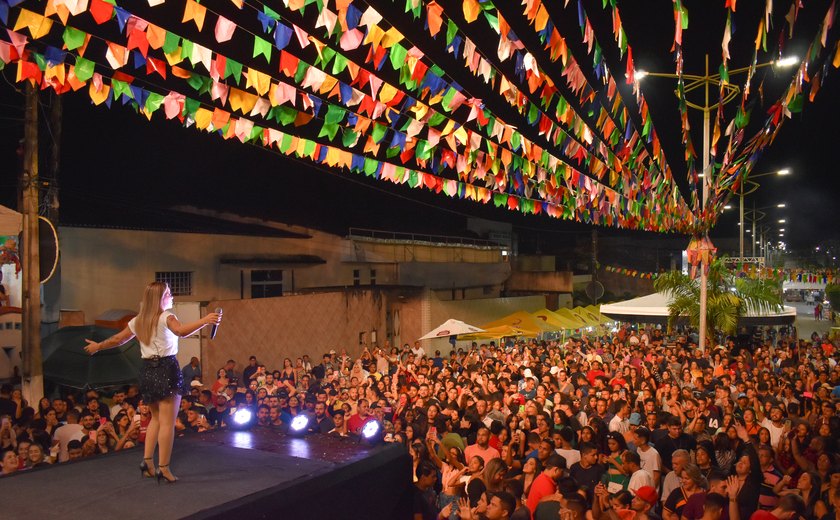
pixel 119 169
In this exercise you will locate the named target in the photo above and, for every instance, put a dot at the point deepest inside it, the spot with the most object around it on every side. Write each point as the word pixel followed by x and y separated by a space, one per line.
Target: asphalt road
pixel 805 322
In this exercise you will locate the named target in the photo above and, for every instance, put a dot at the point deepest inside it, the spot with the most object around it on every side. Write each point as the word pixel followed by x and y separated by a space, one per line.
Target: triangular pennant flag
pixel 224 29
pixel 195 12
pixel 101 11
pixel 262 47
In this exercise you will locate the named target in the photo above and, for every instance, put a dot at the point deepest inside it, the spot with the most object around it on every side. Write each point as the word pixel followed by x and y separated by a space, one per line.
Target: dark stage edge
pixel 256 474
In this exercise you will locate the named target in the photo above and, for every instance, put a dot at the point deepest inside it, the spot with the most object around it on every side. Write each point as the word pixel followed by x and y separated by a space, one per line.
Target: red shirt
pixel 542 486
pixel 763 515
pixel 592 374
pixel 355 423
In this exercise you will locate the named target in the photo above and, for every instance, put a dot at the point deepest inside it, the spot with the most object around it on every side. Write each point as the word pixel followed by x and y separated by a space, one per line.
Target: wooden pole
pixel 33 379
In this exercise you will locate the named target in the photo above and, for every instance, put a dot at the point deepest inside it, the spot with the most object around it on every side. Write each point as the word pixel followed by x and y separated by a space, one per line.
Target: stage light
pixel 299 424
pixel 242 419
pixel 370 431
pixel 242 416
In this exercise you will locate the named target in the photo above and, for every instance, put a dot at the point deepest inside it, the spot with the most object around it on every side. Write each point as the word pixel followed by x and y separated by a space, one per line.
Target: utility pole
pixel 33 377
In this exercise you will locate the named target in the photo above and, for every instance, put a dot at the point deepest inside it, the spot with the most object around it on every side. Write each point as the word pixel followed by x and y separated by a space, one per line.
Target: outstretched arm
pixel 116 340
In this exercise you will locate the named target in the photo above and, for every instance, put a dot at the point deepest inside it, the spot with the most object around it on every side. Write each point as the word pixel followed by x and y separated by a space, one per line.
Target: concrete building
pixel 288 291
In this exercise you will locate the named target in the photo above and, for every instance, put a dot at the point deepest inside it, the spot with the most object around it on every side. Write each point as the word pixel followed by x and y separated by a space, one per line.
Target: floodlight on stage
pixel 370 430
pixel 242 419
pixel 299 424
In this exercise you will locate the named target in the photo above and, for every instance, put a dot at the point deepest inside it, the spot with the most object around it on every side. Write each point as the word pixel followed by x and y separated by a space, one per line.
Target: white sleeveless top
pixel 164 342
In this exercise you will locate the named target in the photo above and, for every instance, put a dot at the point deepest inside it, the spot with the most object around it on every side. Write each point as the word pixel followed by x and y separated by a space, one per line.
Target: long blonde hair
pixel 150 311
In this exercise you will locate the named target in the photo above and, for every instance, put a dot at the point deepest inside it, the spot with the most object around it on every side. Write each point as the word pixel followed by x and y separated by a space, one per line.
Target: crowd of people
pixel 626 425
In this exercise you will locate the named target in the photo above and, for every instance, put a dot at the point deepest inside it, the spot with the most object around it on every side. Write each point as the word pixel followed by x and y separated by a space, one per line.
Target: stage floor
pixel 255 474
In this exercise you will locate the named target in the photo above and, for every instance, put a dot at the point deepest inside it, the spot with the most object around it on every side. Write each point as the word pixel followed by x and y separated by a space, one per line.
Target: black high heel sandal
pixel 144 469
pixel 159 474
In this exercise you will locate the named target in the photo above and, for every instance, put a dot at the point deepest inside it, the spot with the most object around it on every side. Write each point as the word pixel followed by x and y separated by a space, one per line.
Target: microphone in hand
pixel 215 327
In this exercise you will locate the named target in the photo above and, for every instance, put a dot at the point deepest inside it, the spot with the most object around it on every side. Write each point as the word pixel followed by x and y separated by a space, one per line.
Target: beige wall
pixel 108 268
pixel 276 328
pixel 105 269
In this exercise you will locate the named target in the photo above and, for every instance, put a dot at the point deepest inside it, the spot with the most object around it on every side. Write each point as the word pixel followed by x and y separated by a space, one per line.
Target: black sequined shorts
pixel 160 378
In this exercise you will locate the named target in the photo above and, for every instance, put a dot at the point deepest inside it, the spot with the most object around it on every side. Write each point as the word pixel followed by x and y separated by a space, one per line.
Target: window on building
pixel 373 276
pixel 357 277
pixel 180 282
pixel 266 283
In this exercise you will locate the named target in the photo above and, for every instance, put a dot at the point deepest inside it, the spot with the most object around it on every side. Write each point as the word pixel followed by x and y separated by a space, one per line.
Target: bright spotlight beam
pixel 242 416
pixel 370 430
pixel 299 423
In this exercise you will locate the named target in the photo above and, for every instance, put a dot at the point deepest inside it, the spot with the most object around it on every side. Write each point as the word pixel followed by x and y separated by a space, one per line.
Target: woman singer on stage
pixel 161 380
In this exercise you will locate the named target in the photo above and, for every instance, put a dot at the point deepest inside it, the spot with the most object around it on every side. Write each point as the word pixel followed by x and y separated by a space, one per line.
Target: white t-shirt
pixel 64 435
pixel 571 456
pixel 418 353
pixel 638 479
pixel 775 432
pixel 164 342
pixel 651 462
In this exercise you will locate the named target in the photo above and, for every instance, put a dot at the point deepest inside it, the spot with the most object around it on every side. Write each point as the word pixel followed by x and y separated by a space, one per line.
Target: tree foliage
pixel 728 297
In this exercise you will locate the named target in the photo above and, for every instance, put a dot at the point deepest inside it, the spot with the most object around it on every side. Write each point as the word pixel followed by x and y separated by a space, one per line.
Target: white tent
pixel 653 308
pixel 452 328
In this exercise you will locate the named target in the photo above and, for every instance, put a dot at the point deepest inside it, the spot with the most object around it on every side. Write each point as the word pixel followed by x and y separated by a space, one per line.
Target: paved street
pixel 805 322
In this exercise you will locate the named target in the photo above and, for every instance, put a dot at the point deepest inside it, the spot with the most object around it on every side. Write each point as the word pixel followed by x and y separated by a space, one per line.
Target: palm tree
pixel 729 297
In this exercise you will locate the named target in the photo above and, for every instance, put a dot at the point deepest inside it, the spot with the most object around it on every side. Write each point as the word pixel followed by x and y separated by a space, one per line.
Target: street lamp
pixel 746 187
pixel 729 92
pixel 754 215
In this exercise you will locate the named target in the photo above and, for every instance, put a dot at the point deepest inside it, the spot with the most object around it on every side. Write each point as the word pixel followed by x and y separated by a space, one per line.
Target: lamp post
pixel 731 91
pixel 754 215
pixel 748 186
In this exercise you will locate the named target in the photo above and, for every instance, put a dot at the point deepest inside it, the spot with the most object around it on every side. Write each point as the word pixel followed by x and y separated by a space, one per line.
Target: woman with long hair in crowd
pixel 491 479
pixel 450 469
pixel 289 371
pixel 37 456
pixel 43 405
pixel 617 479
pixel 161 381
pixel 220 383
pixel 530 470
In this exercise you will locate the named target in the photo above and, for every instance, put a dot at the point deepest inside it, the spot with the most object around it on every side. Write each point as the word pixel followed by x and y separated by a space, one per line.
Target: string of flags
pixel 778 274
pixel 338 83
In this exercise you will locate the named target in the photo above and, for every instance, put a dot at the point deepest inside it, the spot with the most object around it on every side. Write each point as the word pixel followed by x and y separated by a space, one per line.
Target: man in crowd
pixel 482 447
